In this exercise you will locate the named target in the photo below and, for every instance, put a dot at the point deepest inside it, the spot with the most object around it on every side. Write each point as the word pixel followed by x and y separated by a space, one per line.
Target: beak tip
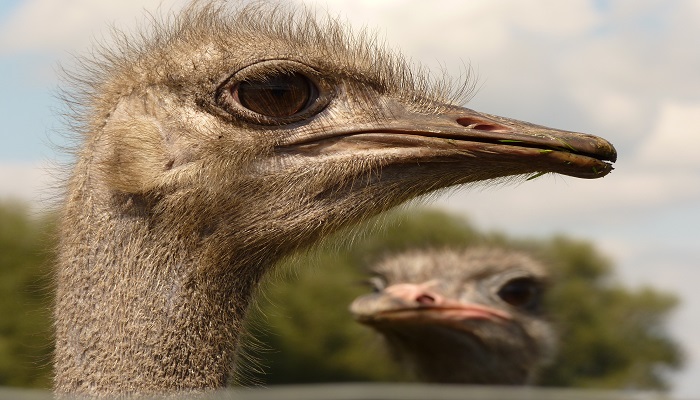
pixel 610 152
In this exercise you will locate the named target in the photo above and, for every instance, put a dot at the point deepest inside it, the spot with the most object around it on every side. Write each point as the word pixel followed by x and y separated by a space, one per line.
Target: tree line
pixel 612 336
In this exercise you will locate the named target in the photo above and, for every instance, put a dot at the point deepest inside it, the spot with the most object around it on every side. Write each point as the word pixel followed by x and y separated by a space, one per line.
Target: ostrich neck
pixel 440 355
pixel 143 308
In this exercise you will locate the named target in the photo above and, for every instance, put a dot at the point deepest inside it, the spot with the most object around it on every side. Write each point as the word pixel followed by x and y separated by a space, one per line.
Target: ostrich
pixel 223 139
pixel 461 316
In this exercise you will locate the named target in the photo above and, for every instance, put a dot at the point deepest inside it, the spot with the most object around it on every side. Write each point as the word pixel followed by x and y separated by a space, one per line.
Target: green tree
pixel 25 297
pixel 612 337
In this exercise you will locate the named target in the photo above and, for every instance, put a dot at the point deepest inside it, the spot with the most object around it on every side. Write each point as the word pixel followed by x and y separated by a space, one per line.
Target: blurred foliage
pixel 25 316
pixel 613 337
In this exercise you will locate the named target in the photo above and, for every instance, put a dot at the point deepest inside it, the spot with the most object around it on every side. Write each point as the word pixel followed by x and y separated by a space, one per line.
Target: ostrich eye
pixel 279 95
pixel 522 292
pixel 377 283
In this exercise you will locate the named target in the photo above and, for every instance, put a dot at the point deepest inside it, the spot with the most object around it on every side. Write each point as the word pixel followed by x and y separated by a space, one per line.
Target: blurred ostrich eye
pixel 278 95
pixel 377 283
pixel 522 292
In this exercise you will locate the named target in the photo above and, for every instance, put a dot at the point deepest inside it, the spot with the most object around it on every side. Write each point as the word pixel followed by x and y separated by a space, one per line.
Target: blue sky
pixel 26 110
pixel 626 70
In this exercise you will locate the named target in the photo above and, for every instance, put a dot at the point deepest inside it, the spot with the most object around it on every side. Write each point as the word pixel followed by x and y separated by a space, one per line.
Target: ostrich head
pixel 258 126
pixel 469 316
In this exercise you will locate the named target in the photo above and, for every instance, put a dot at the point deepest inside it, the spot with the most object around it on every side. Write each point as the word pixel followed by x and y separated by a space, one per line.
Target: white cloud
pixel 675 140
pixel 621 113
pixel 58 26
pixel 439 32
pixel 556 19
pixel 550 204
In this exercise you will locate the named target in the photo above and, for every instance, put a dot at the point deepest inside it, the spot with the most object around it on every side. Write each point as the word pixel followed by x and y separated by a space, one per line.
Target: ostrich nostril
pixel 480 125
pixel 425 299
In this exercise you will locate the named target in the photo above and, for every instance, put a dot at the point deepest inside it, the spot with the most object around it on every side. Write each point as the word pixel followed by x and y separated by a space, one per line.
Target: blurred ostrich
pixel 225 139
pixel 469 316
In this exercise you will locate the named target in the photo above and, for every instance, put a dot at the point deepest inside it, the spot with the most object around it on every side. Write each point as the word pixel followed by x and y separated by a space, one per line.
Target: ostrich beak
pixel 448 314
pixel 417 304
pixel 569 153
pixel 462 133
